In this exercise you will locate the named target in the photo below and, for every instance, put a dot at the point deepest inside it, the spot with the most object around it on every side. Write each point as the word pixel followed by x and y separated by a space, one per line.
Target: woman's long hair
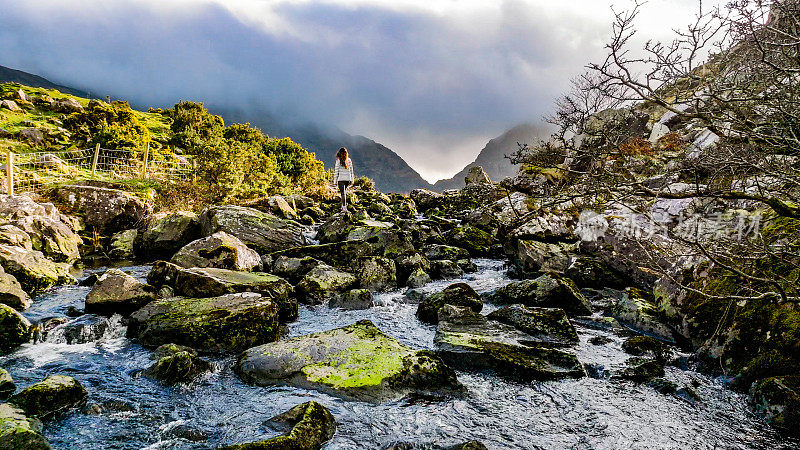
pixel 342 156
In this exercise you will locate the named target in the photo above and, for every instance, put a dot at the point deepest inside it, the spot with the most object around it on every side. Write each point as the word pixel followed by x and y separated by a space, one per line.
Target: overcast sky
pixel 433 80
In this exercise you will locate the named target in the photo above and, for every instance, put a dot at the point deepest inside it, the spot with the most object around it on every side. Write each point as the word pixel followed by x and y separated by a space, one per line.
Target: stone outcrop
pixel 261 231
pixel 219 250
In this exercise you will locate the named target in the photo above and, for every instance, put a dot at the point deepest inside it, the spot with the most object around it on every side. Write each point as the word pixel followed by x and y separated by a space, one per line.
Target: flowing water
pixel 130 412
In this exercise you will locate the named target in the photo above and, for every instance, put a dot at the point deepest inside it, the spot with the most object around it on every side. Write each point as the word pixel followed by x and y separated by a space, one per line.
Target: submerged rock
pixel 549 291
pixel 219 250
pixel 641 370
pixel 648 347
pixel 311 425
pixel 471 342
pixel 458 294
pixel 86 328
pixel 228 323
pixel 263 232
pixel 54 395
pixel 7 386
pixel 471 445
pixel 356 361
pixel 15 329
pixel 116 292
pixel 177 367
pixel 550 325
pixel 18 432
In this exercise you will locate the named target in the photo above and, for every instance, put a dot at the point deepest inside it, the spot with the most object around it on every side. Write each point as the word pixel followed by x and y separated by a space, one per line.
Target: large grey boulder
pixel 11 292
pixel 52 237
pixel 13 236
pixel 535 256
pixel 550 325
pixel 32 269
pixel 229 323
pixel 117 292
pixel 476 175
pixel 548 291
pixel 357 361
pixel 15 329
pixel 262 231
pixel 637 309
pixel 166 233
pixel 52 396
pixel 109 210
pixel 323 282
pixel 220 250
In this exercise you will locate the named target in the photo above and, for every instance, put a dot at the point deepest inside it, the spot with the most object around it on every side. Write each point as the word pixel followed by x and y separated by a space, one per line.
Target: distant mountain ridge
pixel 492 157
pixel 9 75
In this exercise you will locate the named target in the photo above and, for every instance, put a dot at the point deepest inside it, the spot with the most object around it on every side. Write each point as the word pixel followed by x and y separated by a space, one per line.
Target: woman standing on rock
pixel 343 174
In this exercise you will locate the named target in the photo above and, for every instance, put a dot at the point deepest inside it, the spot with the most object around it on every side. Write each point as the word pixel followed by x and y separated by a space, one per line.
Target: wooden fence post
pixel 194 170
pixel 10 173
pixel 94 161
pixel 146 156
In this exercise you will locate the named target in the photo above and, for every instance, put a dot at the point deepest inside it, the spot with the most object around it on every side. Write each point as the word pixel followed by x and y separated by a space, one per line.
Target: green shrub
pixel 112 125
pixel 193 126
pixel 364 183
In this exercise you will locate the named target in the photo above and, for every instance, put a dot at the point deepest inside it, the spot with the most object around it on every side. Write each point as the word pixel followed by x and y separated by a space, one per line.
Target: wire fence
pixel 39 171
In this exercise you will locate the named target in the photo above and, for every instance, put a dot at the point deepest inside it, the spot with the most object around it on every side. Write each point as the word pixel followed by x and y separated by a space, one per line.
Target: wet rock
pixel 311 425
pixel 355 299
pixel 122 245
pixel 411 263
pixel 534 256
pixel 7 386
pixel 471 342
pixel 261 231
pixel 648 347
pixel 165 234
pixel 11 292
pixel 116 292
pixel 471 445
pixel 418 278
pixel 293 269
pixel 376 273
pixel 18 432
pixel 778 400
pixel 458 294
pixel 338 254
pixel 637 310
pixel 476 241
pixel 467 266
pixel 211 282
pixel 86 328
pixel 219 250
pixel 107 209
pixel 55 395
pixel 589 272
pixel 549 325
pixel 641 370
pixel 32 269
pixel 357 361
pixel 55 239
pixel 547 291
pixel 228 323
pixel 178 367
pixel 445 269
pixel 89 281
pixel 600 340
pixel 15 329
pixel 162 351
pixel 323 282
pixel 663 386
pixel 444 252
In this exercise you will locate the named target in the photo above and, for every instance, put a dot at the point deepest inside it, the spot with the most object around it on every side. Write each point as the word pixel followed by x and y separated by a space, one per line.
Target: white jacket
pixel 342 173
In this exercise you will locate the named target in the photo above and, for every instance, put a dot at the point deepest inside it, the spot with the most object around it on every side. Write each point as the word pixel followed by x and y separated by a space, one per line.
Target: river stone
pixel 471 445
pixel 15 329
pixel 18 432
pixel 220 250
pixel 535 257
pixel 338 254
pixel 547 291
pixel 56 394
pixel 211 282
pixel 323 282
pixel 458 294
pixel 640 370
pixel 293 269
pixel 121 247
pixel 476 241
pixel 418 278
pixel 376 273
pixel 469 341
pixel 229 323
pixel 167 233
pixel 550 325
pixel 357 361
pixel 411 263
pixel 448 252
pixel 15 237
pixel 83 329
pixel 117 292
pixel 32 269
pixel 109 210
pixel 442 269
pixel 179 367
pixel 648 347
pixel 354 299
pixel 778 400
pixel 7 386
pixel 589 272
pixel 635 309
pixel 11 292
pixel 52 237
pixel 425 199
pixel 311 425
pixel 262 231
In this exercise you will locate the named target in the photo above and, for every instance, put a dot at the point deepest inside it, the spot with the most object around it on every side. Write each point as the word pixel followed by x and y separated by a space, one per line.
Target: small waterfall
pixel 87 328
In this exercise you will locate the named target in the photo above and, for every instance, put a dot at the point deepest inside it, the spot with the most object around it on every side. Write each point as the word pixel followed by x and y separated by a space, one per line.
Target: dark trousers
pixel 343 191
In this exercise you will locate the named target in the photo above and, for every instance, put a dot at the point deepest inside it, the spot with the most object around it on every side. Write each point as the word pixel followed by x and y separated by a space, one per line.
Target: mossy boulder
pixel 108 210
pixel 261 231
pixel 637 309
pixel 54 395
pixel 178 367
pixel 357 361
pixel 444 252
pixel 410 263
pixel 443 269
pixel 418 278
pixel 211 282
pixel 323 282
pixel 468 341
pixel 121 247
pixel 33 271
pixel 310 426
pixel 547 291
pixel 534 257
pixel 588 272
pixel 778 400
pixel 471 445
pixel 220 250
pixel 354 299
pixel 641 370
pixel 376 273
pixel 338 254
pixel 293 269
pixel 648 347
pixel 476 241
pixel 18 432
pixel 116 292
pixel 548 324
pixel 229 323
pixel 52 237
pixel 7 386
pixel 15 329
pixel 425 199
pixel 164 234
pixel 11 292
pixel 336 228
pixel 457 294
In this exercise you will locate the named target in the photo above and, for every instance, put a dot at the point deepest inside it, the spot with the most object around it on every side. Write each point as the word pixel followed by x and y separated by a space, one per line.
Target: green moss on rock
pixel 54 395
pixel 311 426
pixel 457 294
pixel 15 329
pixel 7 386
pixel 18 432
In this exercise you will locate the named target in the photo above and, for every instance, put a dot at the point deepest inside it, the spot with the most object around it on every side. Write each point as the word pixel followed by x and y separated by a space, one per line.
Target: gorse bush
pixel 364 183
pixel 112 125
